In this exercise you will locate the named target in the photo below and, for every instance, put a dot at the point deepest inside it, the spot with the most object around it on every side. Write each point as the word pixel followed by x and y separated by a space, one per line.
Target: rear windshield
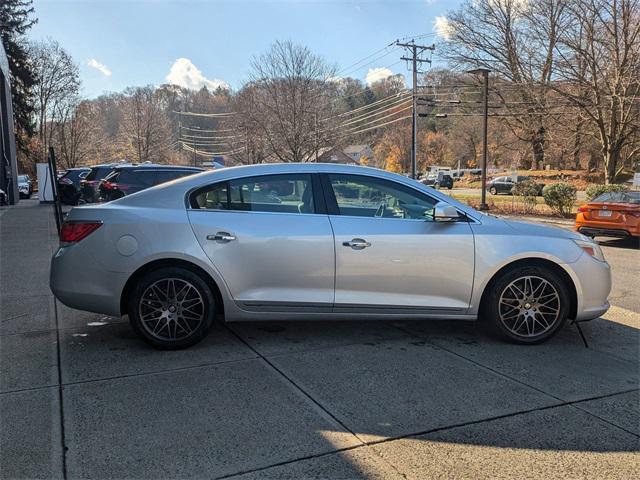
pixel 619 197
pixel 74 175
pixel 98 173
pixel 22 178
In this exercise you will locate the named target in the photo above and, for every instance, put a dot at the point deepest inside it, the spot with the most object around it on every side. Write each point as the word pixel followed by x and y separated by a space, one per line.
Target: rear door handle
pixel 357 244
pixel 221 237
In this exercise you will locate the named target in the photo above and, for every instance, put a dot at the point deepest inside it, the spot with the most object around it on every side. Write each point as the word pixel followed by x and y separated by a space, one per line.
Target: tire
pixel 156 318
pixel 530 320
pixel 493 191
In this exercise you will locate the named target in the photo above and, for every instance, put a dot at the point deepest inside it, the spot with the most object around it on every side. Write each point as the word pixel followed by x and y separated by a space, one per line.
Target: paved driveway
pixel 80 396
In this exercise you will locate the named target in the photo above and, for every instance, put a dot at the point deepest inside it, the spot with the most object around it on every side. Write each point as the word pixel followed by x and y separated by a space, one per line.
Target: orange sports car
pixel 613 214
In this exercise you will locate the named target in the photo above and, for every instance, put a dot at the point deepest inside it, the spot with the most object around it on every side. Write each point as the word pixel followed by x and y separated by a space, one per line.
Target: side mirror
pixel 443 212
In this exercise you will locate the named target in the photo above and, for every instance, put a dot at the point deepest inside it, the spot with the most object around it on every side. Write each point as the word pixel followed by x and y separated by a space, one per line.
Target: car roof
pixel 174 192
pixel 153 166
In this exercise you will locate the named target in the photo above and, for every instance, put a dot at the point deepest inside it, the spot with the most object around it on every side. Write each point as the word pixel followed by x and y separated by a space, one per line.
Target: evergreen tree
pixel 15 20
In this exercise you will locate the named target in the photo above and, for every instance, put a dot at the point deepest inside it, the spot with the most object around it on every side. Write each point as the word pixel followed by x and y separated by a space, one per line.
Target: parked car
pixel 125 180
pixel 312 241
pixel 505 185
pixel 89 185
pixel 25 186
pixel 612 214
pixel 69 185
pixel 438 180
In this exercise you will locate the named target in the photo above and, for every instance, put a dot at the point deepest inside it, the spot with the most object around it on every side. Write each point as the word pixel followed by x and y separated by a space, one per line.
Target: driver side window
pixel 362 196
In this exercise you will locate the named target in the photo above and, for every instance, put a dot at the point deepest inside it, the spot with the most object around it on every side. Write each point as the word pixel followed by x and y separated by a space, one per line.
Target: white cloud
pixel 185 74
pixel 101 67
pixel 376 74
pixel 443 28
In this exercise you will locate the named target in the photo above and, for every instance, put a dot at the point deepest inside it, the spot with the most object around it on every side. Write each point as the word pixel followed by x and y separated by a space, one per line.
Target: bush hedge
pixel 560 197
pixel 594 191
pixel 527 191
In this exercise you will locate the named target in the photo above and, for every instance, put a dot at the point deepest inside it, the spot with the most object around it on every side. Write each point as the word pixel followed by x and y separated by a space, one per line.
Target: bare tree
pixel 76 134
pixel 516 39
pixel 145 125
pixel 58 82
pixel 600 72
pixel 290 102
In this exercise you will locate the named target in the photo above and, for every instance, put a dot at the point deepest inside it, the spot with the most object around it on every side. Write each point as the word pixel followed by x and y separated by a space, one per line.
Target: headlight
pixel 591 248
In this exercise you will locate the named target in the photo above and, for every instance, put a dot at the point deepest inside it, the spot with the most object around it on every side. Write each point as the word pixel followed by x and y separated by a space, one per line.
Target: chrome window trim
pixel 474 218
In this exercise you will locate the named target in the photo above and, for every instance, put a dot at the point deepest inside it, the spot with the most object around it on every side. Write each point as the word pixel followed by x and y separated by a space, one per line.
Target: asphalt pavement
pixel 82 397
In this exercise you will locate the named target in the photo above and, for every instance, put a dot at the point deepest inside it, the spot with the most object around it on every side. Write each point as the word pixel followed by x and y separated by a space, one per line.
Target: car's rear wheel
pixel 171 308
pixel 527 304
pixel 493 191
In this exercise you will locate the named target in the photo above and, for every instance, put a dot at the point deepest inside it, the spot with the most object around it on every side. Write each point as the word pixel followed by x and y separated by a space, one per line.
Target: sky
pixel 121 43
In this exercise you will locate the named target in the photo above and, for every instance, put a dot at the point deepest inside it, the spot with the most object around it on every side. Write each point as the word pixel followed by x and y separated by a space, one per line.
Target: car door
pixel 389 251
pixel 268 238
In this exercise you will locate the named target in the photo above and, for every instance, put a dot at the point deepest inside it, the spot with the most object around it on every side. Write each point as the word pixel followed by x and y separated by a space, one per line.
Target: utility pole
pixel 317 135
pixel 485 133
pixel 415 51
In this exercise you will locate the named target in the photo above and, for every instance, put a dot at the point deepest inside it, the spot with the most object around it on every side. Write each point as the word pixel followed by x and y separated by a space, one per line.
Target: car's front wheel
pixel 171 308
pixel 527 304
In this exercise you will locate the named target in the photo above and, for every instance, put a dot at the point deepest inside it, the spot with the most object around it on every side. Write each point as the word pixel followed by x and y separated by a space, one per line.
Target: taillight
pixel 73 232
pixel 65 181
pixel 109 186
pixel 584 208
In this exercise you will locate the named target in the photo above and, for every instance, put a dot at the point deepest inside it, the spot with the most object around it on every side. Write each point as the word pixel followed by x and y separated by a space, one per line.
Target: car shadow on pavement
pixel 631 243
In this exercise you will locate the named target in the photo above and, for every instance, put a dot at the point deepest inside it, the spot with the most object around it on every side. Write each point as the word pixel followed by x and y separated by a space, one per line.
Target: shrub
pixel 594 191
pixel 527 191
pixel 560 197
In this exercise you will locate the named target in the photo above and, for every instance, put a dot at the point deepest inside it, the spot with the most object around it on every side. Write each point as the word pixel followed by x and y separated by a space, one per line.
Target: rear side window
pixel 137 177
pixel 268 193
pixel 163 176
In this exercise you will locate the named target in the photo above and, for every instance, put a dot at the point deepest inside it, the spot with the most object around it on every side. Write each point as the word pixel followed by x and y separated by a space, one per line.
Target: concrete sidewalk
pixel 82 397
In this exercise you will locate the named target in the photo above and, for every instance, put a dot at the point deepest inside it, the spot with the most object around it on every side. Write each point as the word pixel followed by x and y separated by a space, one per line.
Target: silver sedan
pixel 315 241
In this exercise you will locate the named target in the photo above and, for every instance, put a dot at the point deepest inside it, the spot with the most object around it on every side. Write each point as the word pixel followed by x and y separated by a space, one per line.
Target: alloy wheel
pixel 171 309
pixel 529 306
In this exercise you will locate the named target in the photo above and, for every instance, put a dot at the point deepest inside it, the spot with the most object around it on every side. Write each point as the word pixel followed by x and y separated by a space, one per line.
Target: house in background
pixel 334 155
pixel 357 152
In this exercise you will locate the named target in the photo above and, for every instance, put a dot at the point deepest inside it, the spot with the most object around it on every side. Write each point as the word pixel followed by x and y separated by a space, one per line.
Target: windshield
pixel 619 197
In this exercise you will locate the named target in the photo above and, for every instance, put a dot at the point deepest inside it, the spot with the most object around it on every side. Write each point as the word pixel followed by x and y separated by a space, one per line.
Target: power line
pixel 376 126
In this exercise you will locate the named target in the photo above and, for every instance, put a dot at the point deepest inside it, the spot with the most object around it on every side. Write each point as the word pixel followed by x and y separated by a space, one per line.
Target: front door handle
pixel 221 237
pixel 357 244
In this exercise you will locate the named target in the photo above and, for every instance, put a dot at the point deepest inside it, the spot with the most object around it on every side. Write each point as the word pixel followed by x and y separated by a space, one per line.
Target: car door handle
pixel 357 244
pixel 221 237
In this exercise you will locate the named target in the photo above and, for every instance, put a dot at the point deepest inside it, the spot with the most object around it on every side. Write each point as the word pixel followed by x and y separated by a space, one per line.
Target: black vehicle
pixel 69 185
pixel 89 184
pixel 505 185
pixel 134 178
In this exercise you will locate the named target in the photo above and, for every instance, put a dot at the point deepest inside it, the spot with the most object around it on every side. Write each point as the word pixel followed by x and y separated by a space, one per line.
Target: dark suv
pixel 133 178
pixel 89 184
pixel 69 185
